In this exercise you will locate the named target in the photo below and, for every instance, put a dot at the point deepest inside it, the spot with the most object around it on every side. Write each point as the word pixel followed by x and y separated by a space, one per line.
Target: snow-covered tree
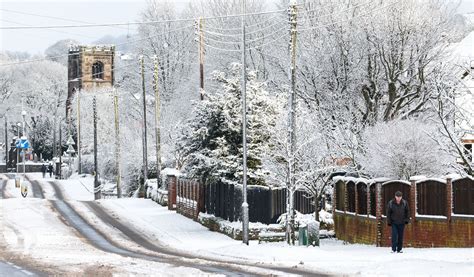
pixel 401 149
pixel 40 89
pixel 213 141
pixel 454 118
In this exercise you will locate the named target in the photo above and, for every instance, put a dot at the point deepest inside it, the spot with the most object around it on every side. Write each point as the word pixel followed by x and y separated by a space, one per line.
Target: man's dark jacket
pixel 398 213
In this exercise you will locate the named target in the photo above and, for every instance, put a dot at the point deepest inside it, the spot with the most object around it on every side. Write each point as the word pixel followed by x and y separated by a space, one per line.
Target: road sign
pixel 22 143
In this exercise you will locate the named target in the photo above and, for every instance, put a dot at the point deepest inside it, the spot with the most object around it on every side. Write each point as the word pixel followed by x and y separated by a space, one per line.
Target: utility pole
pixel 145 141
pixel 201 58
pixel 157 121
pixel 6 141
pixel 79 169
pixel 117 145
pixel 54 137
pixel 60 151
pixel 245 205
pixel 97 192
pixel 290 232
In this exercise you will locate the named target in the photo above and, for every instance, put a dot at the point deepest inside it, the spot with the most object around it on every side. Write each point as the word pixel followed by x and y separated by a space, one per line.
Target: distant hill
pixel 58 51
pixel 121 42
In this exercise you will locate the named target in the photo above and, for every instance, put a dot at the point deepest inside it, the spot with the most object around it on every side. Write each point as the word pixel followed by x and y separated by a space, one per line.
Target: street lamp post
pixel 23 114
pixel 6 142
pixel 18 125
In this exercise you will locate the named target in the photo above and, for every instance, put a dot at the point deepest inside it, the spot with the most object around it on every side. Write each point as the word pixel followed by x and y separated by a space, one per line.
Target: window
pixel 468 151
pixel 98 70
pixel 74 70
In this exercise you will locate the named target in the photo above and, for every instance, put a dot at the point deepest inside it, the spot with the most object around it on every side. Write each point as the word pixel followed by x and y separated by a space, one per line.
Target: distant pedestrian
pixel 398 215
pixel 43 170
pixel 50 170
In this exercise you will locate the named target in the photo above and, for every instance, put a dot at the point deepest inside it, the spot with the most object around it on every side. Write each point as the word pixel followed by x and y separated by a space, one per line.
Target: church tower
pixel 89 66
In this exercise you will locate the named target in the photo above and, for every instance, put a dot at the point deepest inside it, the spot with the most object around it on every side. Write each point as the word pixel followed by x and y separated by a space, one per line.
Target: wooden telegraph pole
pixel 245 205
pixel 201 58
pixel 292 127
pixel 117 144
pixel 157 120
pixel 145 141
pixel 79 170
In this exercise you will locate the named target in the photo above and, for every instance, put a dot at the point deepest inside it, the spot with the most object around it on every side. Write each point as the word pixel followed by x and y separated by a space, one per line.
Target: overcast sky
pixel 90 11
pixel 14 13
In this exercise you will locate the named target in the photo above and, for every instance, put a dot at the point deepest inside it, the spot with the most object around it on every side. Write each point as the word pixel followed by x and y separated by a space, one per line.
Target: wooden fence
pixel 223 200
pixel 265 204
pixel 432 196
pixel 189 198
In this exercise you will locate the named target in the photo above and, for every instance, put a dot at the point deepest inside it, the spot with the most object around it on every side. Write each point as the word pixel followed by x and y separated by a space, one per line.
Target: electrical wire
pixel 120 44
pixel 51 17
pixel 135 23
pixel 239 28
pixel 57 31
pixel 350 19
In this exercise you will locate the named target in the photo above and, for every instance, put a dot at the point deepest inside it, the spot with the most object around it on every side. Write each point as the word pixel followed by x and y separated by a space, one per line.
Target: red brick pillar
pixel 378 212
pixel 346 200
pixel 412 203
pixel 368 200
pixel 172 192
pixel 356 199
pixel 449 198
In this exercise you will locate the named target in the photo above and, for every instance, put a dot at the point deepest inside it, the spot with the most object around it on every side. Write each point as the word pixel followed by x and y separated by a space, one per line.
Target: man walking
pixel 43 170
pixel 398 214
pixel 50 169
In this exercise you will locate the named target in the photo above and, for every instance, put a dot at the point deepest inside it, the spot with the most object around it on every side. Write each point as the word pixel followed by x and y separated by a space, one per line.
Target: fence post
pixel 346 198
pixel 171 191
pixel 356 202
pixel 368 200
pixel 378 212
pixel 179 195
pixel 449 198
pixel 334 199
pixel 412 203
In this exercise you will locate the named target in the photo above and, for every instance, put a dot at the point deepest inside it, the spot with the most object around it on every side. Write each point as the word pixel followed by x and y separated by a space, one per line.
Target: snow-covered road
pixel 157 241
pixel 123 241
pixel 9 269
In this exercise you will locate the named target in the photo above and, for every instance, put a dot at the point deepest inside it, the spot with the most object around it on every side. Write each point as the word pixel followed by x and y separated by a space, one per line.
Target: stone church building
pixel 89 67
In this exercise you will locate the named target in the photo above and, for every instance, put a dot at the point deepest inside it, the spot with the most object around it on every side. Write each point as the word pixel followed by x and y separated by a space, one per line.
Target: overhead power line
pixel 120 44
pixel 134 23
pixel 50 17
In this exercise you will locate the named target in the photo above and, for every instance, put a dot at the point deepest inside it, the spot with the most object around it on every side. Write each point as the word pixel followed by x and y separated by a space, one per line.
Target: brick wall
pixel 431 232
pixel 422 231
pixel 355 228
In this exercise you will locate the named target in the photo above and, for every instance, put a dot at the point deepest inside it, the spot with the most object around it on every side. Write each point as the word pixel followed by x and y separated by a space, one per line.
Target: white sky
pixel 91 11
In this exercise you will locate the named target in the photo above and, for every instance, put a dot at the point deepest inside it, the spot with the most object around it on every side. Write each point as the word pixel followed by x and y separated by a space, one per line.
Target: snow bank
pixel 333 256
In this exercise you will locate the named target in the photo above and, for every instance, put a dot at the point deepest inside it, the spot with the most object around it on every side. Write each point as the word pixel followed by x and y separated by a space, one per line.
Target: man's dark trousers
pixel 397 237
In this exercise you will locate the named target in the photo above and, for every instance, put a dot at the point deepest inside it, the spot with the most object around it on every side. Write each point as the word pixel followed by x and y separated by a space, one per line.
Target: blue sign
pixel 22 143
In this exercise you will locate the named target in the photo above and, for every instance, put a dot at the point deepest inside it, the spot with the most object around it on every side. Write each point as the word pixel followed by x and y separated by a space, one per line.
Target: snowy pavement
pixel 52 241
pixel 333 256
pixel 33 234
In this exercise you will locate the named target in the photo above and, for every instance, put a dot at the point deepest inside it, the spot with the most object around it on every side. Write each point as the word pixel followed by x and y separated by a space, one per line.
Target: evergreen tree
pixel 213 142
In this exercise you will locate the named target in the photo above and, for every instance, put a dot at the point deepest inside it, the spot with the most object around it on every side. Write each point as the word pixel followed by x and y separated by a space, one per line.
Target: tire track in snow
pixel 140 240
pixel 102 242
